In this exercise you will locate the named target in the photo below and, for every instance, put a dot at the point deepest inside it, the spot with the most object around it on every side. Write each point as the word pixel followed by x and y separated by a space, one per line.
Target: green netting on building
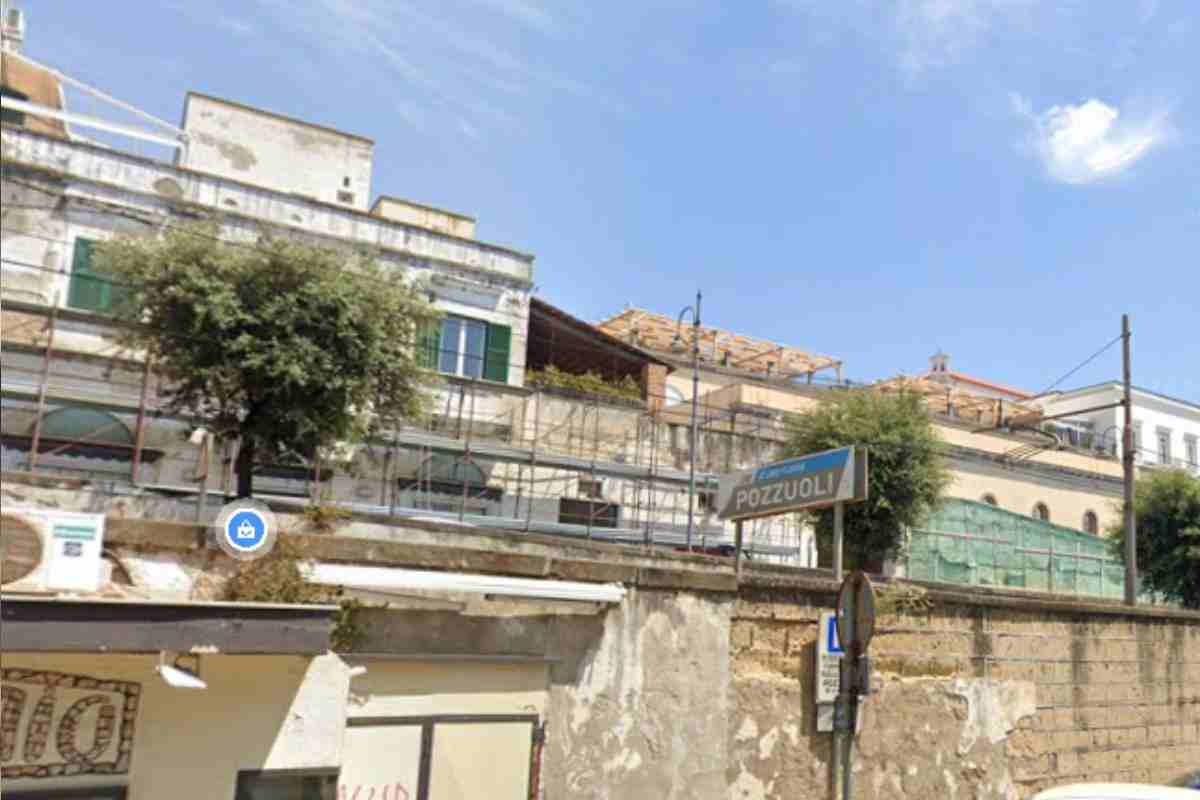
pixel 981 545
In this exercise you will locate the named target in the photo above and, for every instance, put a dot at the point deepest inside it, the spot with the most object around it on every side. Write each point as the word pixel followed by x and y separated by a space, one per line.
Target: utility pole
pixel 1127 455
pixel 695 406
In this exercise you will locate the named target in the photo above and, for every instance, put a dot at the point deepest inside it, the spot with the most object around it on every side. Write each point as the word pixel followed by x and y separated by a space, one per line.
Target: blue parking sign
pixel 832 645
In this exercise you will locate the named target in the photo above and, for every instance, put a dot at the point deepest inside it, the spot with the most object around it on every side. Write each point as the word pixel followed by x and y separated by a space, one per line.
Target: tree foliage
pixel 1167 505
pixel 288 346
pixel 906 475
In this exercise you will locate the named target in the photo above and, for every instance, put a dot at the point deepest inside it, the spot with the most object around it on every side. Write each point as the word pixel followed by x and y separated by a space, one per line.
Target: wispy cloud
pixel 936 33
pixel 1088 142
pixel 236 26
pixel 527 13
pixel 454 65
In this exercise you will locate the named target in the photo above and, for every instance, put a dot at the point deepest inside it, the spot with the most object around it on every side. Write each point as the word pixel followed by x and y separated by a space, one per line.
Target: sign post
pixel 855 627
pixel 819 480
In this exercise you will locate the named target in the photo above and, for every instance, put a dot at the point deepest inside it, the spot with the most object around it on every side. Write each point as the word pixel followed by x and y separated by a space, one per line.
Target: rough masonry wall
pixel 974 701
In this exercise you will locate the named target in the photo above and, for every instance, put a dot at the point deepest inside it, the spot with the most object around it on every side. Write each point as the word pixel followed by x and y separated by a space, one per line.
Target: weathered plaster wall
pixel 643 709
pixel 286 155
pixel 694 687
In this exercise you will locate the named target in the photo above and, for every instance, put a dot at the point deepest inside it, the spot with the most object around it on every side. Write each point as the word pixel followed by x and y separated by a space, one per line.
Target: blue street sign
pixel 812 481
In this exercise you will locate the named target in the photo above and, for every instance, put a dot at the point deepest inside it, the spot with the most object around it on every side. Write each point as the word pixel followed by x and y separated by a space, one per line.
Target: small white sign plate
pixel 829 658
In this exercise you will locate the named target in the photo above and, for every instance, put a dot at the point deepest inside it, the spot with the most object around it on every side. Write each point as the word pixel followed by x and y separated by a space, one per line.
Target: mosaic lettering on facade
pixel 53 724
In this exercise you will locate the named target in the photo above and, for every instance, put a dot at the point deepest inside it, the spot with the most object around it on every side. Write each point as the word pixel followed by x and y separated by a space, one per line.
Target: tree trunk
pixel 245 467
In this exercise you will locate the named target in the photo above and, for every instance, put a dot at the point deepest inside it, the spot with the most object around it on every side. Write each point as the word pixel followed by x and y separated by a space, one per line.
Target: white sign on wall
pixel 829 659
pixel 829 654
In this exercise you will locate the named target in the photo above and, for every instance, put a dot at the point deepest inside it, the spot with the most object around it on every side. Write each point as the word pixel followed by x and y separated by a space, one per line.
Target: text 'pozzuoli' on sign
pixel 811 481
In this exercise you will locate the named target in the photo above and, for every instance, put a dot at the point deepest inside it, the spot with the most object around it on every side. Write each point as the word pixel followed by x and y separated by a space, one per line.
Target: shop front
pixel 112 700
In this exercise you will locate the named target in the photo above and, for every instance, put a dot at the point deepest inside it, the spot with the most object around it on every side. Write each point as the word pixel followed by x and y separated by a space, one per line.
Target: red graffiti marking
pixel 394 791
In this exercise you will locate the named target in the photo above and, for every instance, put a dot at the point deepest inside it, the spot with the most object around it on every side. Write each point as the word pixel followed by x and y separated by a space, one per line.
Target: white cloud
pixel 1091 141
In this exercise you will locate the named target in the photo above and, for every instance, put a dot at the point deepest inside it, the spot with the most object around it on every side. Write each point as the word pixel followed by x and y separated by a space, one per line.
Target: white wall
pixel 277 153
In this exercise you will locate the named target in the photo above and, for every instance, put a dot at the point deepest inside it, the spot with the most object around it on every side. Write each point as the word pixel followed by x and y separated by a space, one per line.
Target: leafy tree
pixel 906 474
pixel 289 346
pixel 1167 505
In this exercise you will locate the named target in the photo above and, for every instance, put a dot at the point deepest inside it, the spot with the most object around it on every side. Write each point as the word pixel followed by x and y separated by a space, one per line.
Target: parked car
pixel 1117 791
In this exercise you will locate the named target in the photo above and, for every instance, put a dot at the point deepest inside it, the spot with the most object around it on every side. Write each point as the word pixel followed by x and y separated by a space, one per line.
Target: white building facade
pixel 1166 430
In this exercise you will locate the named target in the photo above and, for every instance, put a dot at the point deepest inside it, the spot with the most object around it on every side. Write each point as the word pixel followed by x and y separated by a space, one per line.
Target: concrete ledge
pixel 448 548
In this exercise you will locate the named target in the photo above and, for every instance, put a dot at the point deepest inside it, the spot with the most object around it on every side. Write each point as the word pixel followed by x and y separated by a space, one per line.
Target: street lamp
pixel 677 343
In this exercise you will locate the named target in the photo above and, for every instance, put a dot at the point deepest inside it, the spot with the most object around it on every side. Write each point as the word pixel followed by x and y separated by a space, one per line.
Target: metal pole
pixel 537 421
pixel 595 454
pixel 1131 567
pixel 737 550
pixel 202 499
pixel 848 779
pixel 839 520
pixel 140 435
pixel 652 496
pixel 695 403
pixel 35 442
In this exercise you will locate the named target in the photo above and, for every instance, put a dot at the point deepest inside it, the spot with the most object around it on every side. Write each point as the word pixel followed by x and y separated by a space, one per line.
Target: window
pixel 591 488
pixel 1189 449
pixel 1091 523
pixel 990 499
pixel 90 290
pixel 467 347
pixel 11 116
pixel 706 500
pixel 287 784
pixel 580 512
pixel 674 396
pixel 1137 440
pixel 1164 445
pixel 1041 511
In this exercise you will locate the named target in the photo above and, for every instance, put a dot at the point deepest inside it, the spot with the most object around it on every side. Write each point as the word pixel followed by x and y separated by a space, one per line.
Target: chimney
pixel 12 27
pixel 939 362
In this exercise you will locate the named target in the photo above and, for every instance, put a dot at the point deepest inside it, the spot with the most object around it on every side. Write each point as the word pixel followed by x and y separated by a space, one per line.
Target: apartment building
pixel 253 172
pixel 1166 430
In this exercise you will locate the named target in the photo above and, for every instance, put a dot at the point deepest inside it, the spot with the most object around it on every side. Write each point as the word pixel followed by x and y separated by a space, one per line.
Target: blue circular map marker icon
pixel 245 529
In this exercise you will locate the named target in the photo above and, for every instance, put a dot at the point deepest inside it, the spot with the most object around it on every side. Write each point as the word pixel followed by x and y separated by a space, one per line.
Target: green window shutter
pixel 428 344
pixel 495 363
pixel 88 290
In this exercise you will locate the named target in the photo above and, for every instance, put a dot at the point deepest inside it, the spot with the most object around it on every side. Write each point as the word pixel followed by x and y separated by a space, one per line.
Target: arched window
pixel 1091 523
pixel 990 499
pixel 674 396
pixel 1041 511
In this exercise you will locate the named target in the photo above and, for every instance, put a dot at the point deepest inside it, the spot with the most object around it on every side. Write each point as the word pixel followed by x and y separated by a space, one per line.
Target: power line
pixel 1087 361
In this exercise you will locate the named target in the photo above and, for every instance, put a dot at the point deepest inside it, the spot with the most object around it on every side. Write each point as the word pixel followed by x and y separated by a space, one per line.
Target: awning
pixel 385 579
pixel 90 625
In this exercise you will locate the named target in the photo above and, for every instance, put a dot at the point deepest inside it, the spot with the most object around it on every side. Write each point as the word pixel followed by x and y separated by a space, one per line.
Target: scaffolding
pixel 549 461
pixel 975 544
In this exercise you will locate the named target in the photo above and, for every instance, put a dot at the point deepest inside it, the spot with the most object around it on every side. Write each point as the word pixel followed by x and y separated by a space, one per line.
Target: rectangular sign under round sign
pixel 797 484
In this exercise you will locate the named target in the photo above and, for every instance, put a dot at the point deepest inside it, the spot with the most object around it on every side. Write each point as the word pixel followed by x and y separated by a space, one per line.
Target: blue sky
pixel 871 180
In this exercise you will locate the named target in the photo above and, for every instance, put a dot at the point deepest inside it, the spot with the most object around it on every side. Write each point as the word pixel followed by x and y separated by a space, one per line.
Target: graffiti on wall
pixel 54 724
